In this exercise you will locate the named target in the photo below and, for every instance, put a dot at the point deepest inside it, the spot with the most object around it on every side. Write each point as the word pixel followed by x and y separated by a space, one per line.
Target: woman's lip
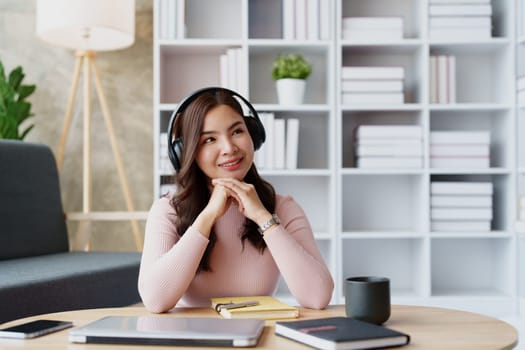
pixel 231 163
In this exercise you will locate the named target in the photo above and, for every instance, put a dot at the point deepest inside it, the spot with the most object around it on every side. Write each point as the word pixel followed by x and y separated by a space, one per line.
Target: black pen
pixel 229 306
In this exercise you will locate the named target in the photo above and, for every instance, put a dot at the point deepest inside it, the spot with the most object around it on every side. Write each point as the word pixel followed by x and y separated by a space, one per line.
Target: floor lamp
pixel 89 26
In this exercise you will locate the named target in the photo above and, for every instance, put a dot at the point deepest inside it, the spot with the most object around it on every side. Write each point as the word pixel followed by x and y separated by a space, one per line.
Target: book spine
pixel 288 20
pixel 460 162
pixel 453 201
pixel 381 73
pixel 372 23
pixel 324 19
pixel 280 144
pixel 371 85
pixel 460 225
pixel 460 10
pixel 459 187
pixel 389 151
pixel 355 34
pixel 459 150
pixel 391 131
pixel 459 137
pixel 378 97
pixel 461 214
pixel 292 142
pixel 389 162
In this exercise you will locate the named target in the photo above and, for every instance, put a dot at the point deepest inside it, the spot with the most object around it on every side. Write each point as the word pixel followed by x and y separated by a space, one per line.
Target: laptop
pixel 168 330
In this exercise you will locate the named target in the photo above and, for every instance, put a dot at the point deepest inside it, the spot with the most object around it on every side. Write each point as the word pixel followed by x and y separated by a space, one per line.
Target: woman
pixel 205 241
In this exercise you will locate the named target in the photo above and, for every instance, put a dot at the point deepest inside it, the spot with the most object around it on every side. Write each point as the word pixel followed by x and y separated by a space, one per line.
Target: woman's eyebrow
pixel 233 126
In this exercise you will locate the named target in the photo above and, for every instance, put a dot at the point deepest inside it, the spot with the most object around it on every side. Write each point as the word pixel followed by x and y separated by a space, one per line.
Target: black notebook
pixel 341 333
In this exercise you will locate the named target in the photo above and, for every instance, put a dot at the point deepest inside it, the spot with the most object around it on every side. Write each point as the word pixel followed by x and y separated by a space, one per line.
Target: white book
pixel 433 68
pixel 386 22
pixel 521 202
pixel 460 162
pixel 521 97
pixel 461 22
pixel 389 150
pixel 460 10
pixel 232 68
pixel 223 71
pixel 389 131
pixel 461 213
pixel 390 142
pixel 372 97
pixel 292 142
pixel 459 137
pixel 367 34
pixel 389 162
pixel 163 19
pixel 371 85
pixel 452 2
pixel 325 22
pixel 172 17
pixel 444 150
pixel 451 78
pixel 381 73
pixel 442 79
pixel 461 187
pixel 454 201
pixel 279 151
pixel 300 20
pixel 239 71
pixel 267 118
pixel 312 19
pixel 288 19
pixel 459 34
pixel 181 19
pixel 460 225
pixel 522 215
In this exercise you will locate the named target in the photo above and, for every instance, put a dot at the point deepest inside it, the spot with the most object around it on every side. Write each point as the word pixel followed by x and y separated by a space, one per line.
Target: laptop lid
pixel 168 330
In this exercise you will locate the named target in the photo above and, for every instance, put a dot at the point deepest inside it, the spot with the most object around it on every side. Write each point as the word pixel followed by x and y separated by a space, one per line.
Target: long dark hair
pixel 192 184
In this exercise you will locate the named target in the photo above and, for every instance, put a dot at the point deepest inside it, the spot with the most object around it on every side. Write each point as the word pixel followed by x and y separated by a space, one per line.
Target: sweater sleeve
pixel 293 247
pixel 169 262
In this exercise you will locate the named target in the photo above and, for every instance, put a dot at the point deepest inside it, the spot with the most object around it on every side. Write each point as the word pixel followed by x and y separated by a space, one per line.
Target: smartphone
pixel 34 329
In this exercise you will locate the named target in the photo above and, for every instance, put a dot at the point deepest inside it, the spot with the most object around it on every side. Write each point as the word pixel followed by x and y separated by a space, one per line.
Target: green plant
pixel 291 66
pixel 14 109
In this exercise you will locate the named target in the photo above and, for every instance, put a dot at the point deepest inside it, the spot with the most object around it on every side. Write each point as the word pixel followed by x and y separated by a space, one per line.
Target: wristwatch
pixel 273 221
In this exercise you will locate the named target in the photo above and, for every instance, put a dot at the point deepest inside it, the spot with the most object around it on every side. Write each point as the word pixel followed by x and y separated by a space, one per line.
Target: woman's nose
pixel 228 146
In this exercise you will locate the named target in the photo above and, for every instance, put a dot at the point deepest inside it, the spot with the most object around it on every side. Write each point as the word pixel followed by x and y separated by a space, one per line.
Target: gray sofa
pixel 38 273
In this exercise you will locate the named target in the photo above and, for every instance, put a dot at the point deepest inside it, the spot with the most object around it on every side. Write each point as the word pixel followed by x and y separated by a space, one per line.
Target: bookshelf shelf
pixel 376 221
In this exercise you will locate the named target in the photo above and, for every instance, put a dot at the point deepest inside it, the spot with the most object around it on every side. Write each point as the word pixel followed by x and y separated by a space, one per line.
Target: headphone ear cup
pixel 175 154
pixel 256 130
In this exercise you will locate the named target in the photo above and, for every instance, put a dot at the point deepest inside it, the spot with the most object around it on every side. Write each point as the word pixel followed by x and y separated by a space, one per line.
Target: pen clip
pixel 232 305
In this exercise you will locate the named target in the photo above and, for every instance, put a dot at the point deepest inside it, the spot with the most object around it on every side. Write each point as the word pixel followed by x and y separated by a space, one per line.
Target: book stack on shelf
pixel 365 85
pixel 306 20
pixel 165 166
pixel 520 85
pixel 460 20
pixel 442 79
pixel 231 68
pixel 460 149
pixel 172 19
pixel 389 146
pixel 280 150
pixel 372 28
pixel 460 206
pixel 521 214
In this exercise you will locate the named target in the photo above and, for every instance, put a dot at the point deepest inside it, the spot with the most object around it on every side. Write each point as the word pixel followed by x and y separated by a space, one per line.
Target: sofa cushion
pixel 32 219
pixel 67 281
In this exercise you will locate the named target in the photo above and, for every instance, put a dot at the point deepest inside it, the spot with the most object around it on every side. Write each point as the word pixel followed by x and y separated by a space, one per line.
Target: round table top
pixel 429 328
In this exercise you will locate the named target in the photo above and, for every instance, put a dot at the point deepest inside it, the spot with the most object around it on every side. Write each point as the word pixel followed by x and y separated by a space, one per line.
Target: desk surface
pixel 429 328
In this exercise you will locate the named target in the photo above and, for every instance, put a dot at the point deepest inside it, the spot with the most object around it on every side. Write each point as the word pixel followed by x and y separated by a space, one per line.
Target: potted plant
pixel 290 72
pixel 14 109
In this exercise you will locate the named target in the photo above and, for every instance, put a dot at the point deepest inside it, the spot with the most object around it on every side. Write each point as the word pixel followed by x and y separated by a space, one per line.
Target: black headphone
pixel 253 123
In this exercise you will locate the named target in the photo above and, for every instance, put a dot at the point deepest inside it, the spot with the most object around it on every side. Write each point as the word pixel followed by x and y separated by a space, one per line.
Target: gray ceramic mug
pixel 368 298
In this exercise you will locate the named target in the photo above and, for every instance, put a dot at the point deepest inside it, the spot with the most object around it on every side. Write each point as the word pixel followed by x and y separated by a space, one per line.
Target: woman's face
pixel 225 146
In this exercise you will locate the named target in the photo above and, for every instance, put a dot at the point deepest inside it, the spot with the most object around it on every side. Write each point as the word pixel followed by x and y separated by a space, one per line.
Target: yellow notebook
pixel 260 307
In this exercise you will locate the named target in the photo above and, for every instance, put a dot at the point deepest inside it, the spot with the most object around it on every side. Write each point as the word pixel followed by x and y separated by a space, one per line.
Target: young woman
pixel 225 232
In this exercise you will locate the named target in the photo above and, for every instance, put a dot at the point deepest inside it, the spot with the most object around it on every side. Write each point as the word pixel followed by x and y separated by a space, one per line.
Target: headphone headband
pixel 175 146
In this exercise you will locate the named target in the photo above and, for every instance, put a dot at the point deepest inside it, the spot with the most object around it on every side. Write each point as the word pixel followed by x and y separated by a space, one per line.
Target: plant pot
pixel 290 91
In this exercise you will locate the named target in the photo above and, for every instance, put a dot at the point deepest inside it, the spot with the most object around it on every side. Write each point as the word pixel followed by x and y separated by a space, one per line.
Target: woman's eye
pixel 208 140
pixel 238 131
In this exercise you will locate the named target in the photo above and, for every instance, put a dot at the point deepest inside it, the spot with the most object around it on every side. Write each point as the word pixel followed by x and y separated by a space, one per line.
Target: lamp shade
pixel 94 25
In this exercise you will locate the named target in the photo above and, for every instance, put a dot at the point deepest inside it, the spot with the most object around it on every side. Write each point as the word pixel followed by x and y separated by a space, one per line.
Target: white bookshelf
pixel 375 221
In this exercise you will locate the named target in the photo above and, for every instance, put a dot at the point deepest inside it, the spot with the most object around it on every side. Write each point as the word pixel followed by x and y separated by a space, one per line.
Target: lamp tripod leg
pixel 69 112
pixel 116 154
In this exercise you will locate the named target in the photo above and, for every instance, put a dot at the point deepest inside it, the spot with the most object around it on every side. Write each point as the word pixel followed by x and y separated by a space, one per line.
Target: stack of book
pixel 280 150
pixel 460 20
pixel 372 28
pixel 442 79
pixel 460 206
pixel 460 149
pixel 172 19
pixel 388 146
pixel 231 66
pixel 365 85
pixel 520 85
pixel 165 166
pixel 306 19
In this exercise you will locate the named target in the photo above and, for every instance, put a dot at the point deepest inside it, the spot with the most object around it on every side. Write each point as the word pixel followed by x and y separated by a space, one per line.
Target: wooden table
pixel 429 328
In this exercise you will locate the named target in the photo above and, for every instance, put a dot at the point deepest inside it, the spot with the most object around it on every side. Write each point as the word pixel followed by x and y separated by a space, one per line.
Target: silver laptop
pixel 168 330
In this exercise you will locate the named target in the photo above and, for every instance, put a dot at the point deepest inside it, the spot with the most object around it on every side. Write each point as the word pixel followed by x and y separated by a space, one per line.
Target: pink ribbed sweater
pixel 169 263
